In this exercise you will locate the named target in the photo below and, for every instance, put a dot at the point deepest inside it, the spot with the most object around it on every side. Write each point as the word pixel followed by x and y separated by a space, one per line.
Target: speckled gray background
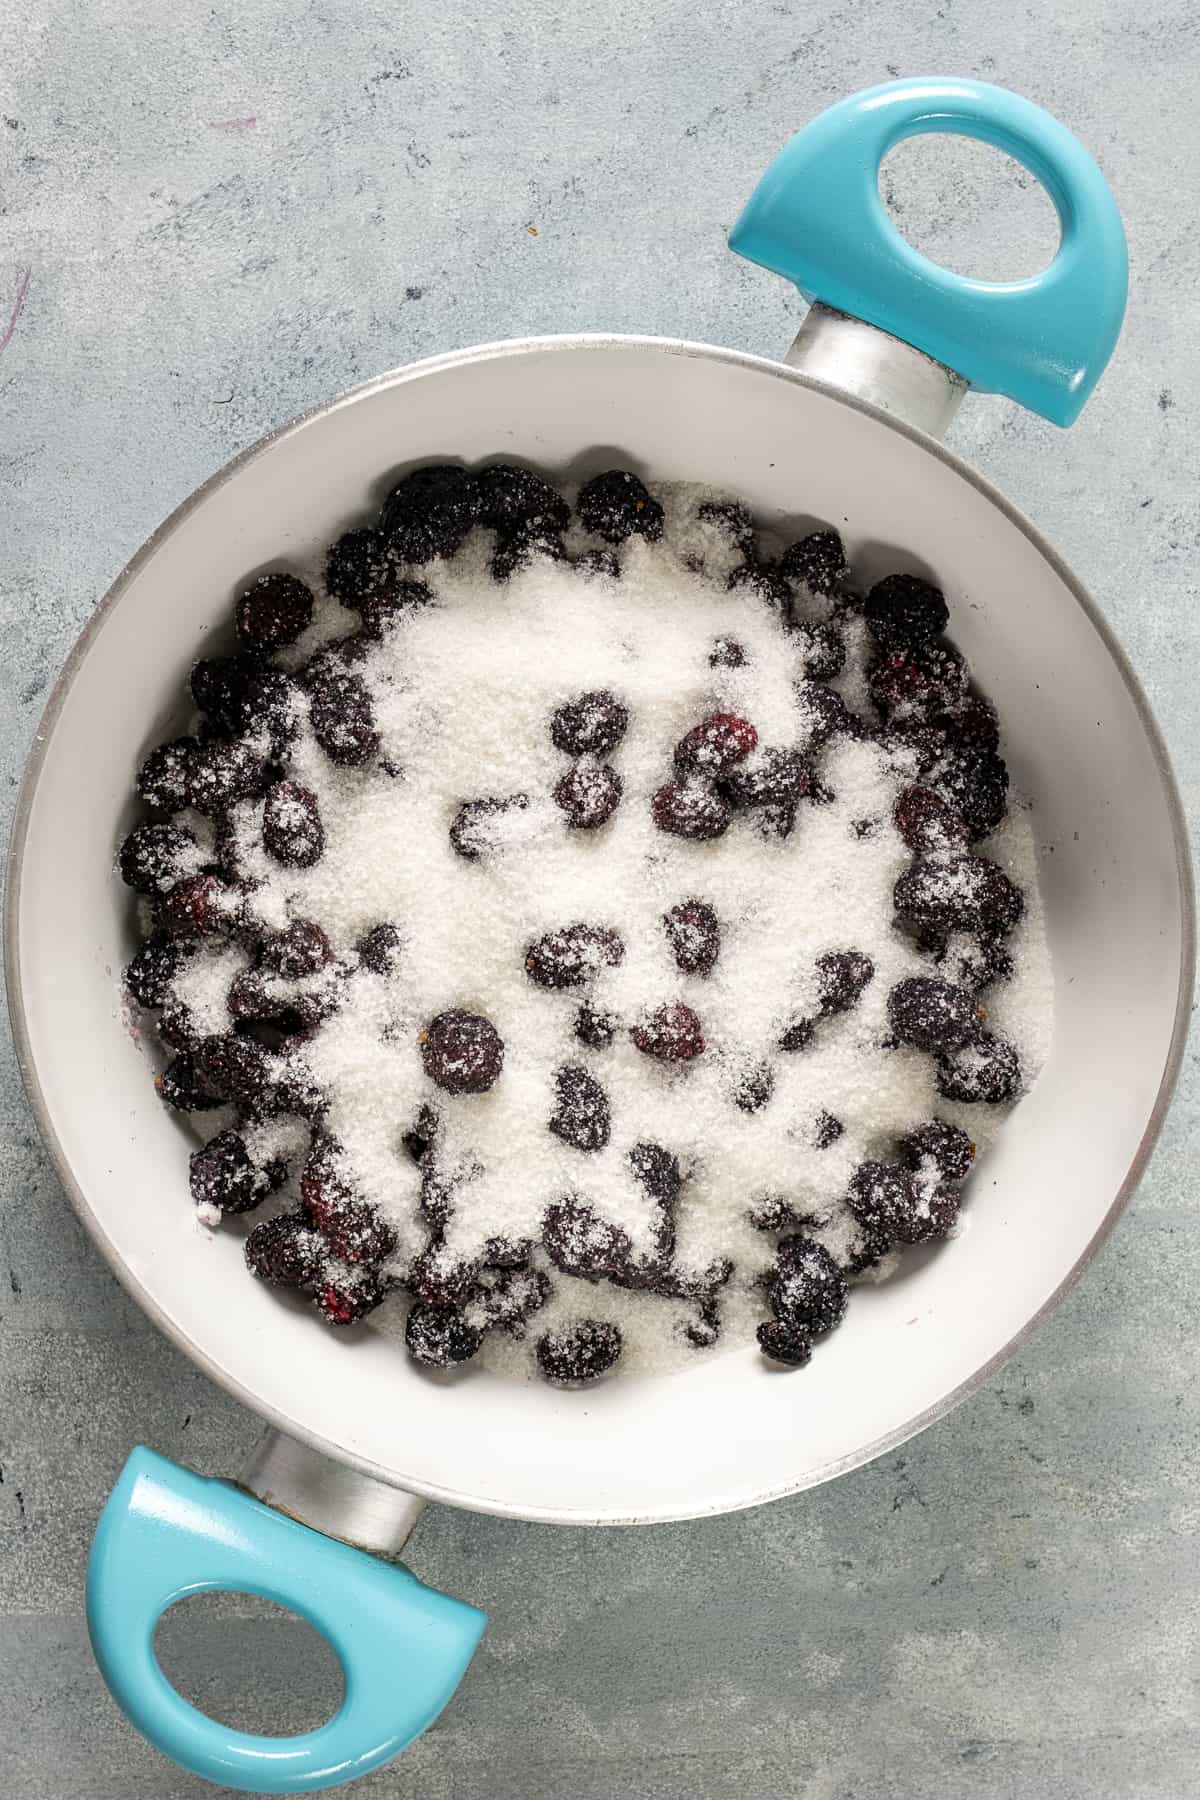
pixel 213 217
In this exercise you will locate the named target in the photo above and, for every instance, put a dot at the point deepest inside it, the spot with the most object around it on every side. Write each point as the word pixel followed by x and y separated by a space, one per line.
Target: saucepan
pixel 844 430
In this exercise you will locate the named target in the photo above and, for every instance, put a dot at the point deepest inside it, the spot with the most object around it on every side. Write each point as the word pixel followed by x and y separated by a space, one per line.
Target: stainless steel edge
pixel 331 1497
pixel 864 363
pixel 481 1501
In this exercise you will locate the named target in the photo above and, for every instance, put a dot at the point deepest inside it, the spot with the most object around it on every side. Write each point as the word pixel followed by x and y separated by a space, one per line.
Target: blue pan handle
pixel 816 217
pixel 165 1533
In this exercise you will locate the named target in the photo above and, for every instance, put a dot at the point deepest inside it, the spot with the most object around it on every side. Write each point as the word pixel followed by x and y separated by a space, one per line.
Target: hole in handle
pixel 968 207
pixel 249 1664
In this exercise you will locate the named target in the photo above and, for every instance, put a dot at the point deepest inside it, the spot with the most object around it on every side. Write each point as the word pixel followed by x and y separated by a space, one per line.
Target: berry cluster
pixel 333 1245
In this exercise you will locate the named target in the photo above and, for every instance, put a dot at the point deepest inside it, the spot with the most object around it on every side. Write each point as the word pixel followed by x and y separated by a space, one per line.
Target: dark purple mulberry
pixel 592 725
pixel 581 1115
pixel 694 934
pixel 463 1052
pixel 430 512
pixel 274 611
pixel 291 827
pixel 617 506
pixel 579 1353
pixel 905 613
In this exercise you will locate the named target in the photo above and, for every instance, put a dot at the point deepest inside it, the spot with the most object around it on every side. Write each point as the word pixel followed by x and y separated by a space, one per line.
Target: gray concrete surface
pixel 214 216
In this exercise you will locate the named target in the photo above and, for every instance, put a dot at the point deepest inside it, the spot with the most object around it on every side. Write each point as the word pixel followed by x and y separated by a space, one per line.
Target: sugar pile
pixel 464 690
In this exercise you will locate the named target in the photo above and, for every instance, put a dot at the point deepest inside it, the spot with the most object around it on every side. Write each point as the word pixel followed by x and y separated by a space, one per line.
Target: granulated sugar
pixel 464 690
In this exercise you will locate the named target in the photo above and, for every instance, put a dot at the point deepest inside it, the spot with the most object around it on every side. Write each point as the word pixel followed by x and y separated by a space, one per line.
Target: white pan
pixel 844 433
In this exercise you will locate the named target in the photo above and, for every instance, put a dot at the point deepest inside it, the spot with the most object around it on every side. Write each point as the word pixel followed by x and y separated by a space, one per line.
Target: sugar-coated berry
pixel 842 976
pixel 292 831
pixel 506 1298
pixel 379 949
pixel 818 560
pixel 671 1033
pixel 617 506
pixel 694 934
pixel 905 612
pixel 690 809
pixel 358 567
pixel 932 1015
pixel 594 1028
pixel 154 967
pixel 589 794
pixel 343 718
pixel 715 746
pixel 986 1071
pixel 947 1146
pixel 476 828
pixel 579 1353
pixel 591 725
pixel 254 999
pixel 430 511
pixel 164 779
pixel 223 773
pixel 182 1086
pixel 896 1205
pixel 179 1027
pixel 825 714
pixel 155 856
pixel 353 1230
pixel 223 1174
pixel 772 1213
pixel 777 820
pixel 784 1343
pixel 727 653
pixel 917 683
pixel 440 1337
pixel 301 948
pixel 285 1252
pixel 826 1130
pixel 510 495
pixel 571 957
pixel 441 1278
pixel 928 825
pixel 507 1252
pixel 218 685
pixel 198 906
pixel 974 782
pixel 916 737
pixel 581 1115
pixel 296 1092
pixel 951 893
pixel 974 962
pixel 245 698
pixel 754 1088
pixel 345 1299
pixel 806 1287
pixel 274 611
pixel 658 1171
pixel 237 1069
pixel 579 1241
pixel 881 1193
pixel 777 776
pixel 462 1052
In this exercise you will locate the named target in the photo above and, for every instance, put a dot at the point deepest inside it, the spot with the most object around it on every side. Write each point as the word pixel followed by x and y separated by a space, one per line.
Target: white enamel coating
pixel 1114 872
